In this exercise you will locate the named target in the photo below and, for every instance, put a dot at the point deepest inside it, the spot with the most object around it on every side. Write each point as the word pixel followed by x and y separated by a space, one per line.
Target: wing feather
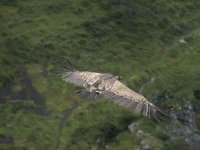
pixel 124 96
pixel 82 78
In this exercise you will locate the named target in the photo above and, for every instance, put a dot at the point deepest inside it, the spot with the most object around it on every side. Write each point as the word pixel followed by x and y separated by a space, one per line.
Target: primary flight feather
pixel 109 86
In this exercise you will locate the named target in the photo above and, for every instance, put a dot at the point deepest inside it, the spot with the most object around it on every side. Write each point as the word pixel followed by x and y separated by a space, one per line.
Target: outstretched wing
pixel 82 78
pixel 122 95
pixel 113 90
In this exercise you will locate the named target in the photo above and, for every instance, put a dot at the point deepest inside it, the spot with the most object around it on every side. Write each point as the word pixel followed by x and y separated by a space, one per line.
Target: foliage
pixel 138 40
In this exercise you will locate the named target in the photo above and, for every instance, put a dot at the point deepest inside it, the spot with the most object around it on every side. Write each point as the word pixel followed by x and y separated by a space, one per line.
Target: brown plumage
pixel 109 86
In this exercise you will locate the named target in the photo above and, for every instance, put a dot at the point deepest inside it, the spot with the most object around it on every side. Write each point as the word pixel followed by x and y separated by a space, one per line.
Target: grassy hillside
pixel 153 45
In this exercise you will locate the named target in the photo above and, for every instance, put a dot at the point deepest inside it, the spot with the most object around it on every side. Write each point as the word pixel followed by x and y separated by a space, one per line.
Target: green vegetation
pixel 138 40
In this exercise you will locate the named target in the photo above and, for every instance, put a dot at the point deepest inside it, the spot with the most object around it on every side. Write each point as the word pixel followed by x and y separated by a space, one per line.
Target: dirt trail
pixel 6 140
pixel 176 42
pixel 63 120
pixel 28 92
pixel 167 50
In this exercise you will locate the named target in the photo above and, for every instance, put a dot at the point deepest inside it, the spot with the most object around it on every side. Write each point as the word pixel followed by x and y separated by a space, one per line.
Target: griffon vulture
pixel 111 88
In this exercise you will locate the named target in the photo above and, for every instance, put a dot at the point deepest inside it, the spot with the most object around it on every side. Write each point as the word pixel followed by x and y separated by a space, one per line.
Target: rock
pixel 133 127
pixel 184 127
pixel 182 41
pixel 100 144
pixel 93 148
pixel 140 134
pixel 146 145
pixel 107 147
pixel 146 140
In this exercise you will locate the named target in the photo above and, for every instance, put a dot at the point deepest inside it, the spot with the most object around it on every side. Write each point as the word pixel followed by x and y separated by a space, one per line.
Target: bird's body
pixel 109 86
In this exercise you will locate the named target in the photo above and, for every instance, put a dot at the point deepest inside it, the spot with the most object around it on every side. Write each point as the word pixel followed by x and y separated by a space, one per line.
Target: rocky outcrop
pixel 182 131
pixel 184 127
pixel 146 140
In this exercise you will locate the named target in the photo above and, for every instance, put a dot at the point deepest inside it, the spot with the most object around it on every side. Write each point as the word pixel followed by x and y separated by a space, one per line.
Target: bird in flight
pixel 108 85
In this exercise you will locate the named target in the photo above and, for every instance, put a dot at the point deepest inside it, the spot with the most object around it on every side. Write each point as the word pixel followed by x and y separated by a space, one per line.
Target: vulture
pixel 109 86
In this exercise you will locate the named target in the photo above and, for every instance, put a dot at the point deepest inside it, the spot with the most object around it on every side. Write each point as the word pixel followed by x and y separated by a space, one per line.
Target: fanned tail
pixel 85 94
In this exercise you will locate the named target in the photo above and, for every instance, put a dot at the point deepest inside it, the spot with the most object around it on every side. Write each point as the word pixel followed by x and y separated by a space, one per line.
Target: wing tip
pixel 158 114
pixel 70 67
